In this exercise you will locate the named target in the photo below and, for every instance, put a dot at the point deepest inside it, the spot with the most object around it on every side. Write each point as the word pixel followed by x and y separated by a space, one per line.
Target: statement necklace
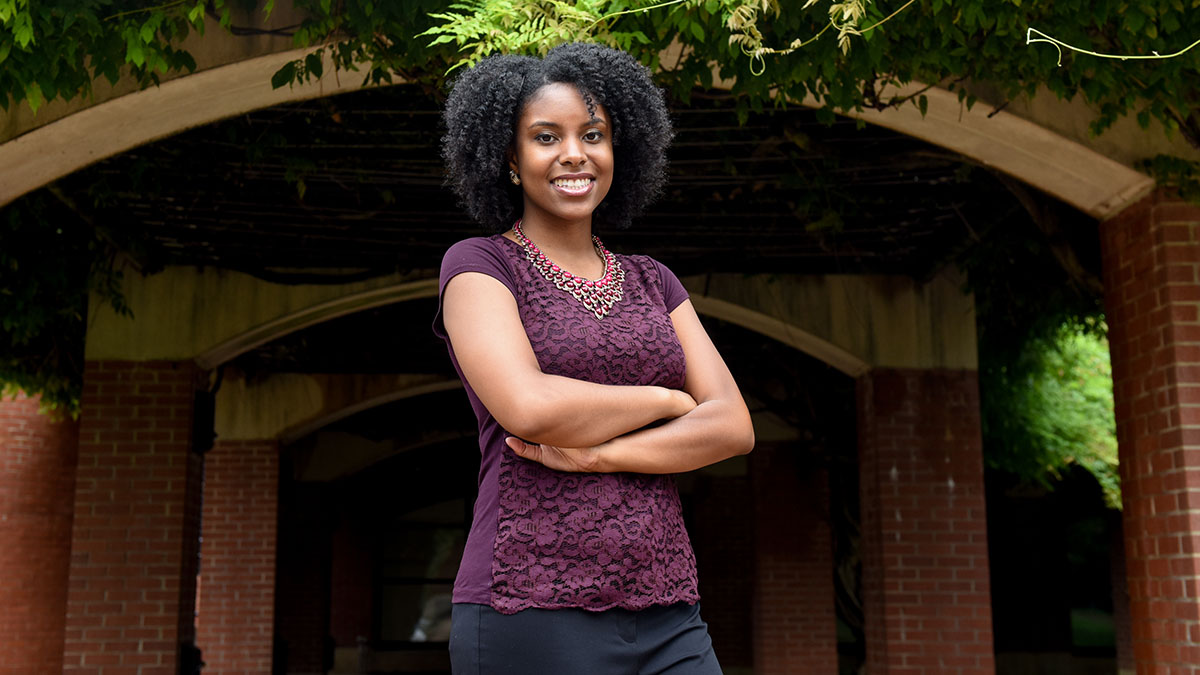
pixel 597 296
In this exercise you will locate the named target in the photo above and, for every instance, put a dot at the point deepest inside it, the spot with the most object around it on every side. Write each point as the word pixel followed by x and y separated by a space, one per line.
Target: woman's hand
pixel 585 460
pixel 573 460
pixel 683 403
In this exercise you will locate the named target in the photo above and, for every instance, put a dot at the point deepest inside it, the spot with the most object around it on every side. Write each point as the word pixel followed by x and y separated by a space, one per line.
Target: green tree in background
pixel 1052 407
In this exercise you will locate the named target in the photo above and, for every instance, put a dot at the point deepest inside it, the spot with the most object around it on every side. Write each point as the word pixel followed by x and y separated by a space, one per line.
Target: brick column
pixel 235 618
pixel 130 604
pixel 1151 256
pixel 37 487
pixel 795 623
pixel 926 594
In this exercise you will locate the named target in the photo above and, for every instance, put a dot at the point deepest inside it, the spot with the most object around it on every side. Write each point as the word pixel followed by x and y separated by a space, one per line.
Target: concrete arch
pixel 782 331
pixel 1030 152
pixel 299 431
pixel 91 134
pixel 1023 147
pixel 756 321
pixel 276 328
pixel 289 406
pixel 212 316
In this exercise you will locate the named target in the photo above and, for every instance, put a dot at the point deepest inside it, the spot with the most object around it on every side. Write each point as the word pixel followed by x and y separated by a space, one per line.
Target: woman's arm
pixel 481 317
pixel 717 428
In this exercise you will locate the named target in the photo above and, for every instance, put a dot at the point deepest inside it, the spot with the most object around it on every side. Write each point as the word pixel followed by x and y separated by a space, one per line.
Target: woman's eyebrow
pixel 595 121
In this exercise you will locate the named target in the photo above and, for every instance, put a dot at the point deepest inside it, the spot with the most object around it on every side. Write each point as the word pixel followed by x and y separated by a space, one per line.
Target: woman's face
pixel 563 155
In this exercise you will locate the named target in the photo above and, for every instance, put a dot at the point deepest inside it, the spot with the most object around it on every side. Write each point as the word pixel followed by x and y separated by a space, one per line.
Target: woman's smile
pixel 575 185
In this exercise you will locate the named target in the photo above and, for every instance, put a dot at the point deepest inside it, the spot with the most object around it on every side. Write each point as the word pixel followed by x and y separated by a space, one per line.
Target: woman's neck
pixel 567 244
pixel 566 239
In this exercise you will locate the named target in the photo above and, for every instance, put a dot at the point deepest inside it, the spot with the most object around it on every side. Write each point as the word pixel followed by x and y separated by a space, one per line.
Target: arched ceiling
pixel 781 193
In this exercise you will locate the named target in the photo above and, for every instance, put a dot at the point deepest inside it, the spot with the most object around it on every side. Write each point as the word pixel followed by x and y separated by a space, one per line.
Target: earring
pixel 512 175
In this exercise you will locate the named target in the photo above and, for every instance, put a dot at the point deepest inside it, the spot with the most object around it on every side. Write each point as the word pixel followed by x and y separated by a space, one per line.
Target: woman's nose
pixel 572 152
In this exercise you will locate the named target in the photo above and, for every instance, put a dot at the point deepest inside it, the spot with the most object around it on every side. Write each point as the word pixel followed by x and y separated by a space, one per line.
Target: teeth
pixel 572 182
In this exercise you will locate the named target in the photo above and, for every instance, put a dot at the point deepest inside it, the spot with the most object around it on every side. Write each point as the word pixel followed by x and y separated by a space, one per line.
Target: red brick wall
pixel 1151 256
pixel 37 485
pixel 236 613
pixel 795 623
pixel 926 593
pixel 132 573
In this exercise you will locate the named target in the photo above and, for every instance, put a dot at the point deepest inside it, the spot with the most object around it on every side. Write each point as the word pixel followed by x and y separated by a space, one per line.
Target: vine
pixel 1059 45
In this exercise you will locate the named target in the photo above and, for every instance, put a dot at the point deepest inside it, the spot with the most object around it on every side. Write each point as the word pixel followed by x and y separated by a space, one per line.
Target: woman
pixel 592 378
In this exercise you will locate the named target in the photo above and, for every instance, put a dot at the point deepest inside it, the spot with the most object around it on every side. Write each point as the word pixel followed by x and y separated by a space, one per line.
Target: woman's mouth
pixel 573 186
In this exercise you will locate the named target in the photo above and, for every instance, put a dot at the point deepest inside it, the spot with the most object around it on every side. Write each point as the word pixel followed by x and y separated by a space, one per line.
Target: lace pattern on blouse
pixel 593 541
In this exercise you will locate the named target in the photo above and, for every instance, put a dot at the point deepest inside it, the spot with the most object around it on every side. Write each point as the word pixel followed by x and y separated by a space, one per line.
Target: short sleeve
pixel 478 254
pixel 672 289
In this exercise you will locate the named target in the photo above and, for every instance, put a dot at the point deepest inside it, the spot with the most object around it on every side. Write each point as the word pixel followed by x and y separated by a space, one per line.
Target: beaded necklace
pixel 597 296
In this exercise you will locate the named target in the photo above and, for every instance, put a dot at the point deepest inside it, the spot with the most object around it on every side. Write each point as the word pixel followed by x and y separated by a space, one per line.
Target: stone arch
pixel 782 331
pixel 280 326
pixel 289 406
pixel 99 131
pixel 296 432
pixel 756 321
pixel 1025 148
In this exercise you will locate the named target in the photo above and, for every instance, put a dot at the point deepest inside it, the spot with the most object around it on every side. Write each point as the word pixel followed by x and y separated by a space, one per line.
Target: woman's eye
pixel 544 138
pixel 593 136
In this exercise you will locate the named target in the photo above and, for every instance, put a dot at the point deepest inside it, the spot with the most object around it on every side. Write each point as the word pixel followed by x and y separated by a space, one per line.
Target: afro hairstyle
pixel 486 101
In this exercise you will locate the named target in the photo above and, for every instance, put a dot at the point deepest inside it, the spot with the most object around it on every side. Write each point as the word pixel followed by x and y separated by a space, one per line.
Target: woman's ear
pixel 512 160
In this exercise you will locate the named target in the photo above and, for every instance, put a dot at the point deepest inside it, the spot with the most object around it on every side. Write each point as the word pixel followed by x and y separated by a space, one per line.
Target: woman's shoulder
pixel 488 255
pixel 473 247
pixel 645 264
pixel 659 275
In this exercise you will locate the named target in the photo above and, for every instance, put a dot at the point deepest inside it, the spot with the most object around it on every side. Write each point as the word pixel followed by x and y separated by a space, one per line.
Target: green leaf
pixel 147 32
pixel 134 53
pixel 1134 21
pixel 5 48
pixel 187 62
pixel 23 35
pixel 923 104
pixel 314 65
pixel 284 75
pixel 697 30
pixel 33 96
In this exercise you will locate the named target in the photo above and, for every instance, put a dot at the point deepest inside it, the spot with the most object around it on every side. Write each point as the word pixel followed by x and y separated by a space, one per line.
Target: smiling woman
pixel 590 375
pixel 563 151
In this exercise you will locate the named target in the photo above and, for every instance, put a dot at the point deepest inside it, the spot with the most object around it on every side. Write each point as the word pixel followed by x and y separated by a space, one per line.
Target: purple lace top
pixel 547 539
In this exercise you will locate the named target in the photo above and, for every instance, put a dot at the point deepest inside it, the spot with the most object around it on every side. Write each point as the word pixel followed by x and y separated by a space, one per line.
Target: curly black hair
pixel 486 101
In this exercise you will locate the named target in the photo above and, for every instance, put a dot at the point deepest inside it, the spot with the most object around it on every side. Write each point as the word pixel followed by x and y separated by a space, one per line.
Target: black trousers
pixel 659 640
